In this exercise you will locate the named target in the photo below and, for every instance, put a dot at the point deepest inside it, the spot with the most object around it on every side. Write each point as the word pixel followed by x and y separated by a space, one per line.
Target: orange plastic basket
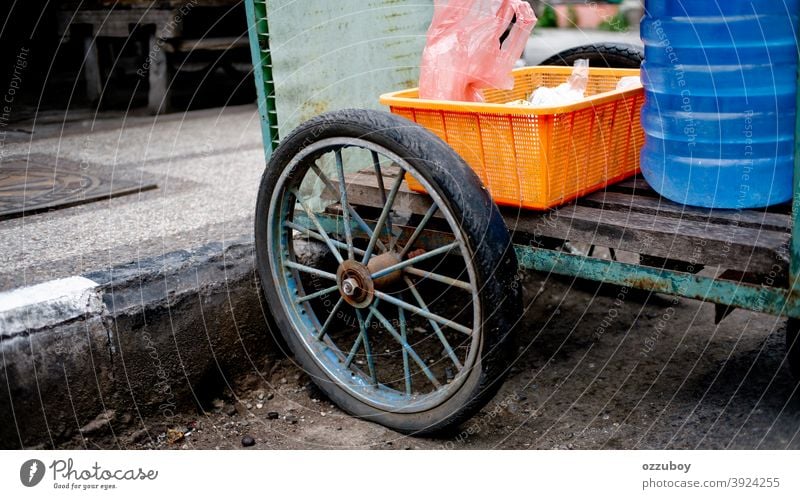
pixel 539 157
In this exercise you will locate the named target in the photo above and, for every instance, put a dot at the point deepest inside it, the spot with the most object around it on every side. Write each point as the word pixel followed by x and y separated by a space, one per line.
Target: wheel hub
pixel 355 279
pixel 355 283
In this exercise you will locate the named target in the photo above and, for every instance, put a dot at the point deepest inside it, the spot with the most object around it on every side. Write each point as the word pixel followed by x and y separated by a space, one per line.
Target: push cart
pixel 394 278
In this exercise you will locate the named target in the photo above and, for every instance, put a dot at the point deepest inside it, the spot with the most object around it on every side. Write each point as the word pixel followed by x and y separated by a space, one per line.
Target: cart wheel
pixel 408 326
pixel 793 346
pixel 600 55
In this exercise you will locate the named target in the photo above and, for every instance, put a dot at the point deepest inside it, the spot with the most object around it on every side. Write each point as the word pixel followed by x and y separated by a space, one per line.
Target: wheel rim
pixel 378 288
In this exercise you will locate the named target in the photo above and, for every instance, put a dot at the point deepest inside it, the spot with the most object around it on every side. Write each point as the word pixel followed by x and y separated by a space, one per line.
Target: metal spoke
pixel 309 270
pixel 401 317
pixel 360 338
pixel 360 221
pixel 376 164
pixel 386 324
pixel 438 277
pixel 418 230
pixel 411 261
pixel 434 325
pixel 348 233
pixel 367 349
pixel 319 293
pixel 382 219
pixel 424 313
pixel 328 321
pixel 317 223
pixel 314 235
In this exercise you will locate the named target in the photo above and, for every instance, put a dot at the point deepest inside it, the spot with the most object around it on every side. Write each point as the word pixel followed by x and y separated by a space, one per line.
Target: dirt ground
pixel 595 368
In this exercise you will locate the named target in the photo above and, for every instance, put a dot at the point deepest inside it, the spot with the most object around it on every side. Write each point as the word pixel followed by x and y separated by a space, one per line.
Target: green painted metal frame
pixel 767 299
pixel 258 31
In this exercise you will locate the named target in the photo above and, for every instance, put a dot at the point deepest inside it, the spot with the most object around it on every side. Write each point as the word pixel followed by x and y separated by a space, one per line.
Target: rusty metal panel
pixel 334 55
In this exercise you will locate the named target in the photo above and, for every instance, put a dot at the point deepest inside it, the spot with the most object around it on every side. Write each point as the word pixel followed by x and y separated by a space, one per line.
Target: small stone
pixel 101 422
pixel 270 396
pixel 248 441
pixel 174 436
pixel 217 404
pixel 259 405
pixel 284 381
pixel 248 405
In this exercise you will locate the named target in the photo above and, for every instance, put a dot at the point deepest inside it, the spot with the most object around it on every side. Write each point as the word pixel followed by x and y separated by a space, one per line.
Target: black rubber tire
pixel 485 233
pixel 600 55
pixel 793 346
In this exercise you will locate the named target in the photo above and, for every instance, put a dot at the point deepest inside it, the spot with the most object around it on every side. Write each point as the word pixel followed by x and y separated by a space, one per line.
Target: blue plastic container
pixel 720 82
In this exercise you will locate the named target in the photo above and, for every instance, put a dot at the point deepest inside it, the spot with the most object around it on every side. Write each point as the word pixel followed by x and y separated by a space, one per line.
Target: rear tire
pixel 600 55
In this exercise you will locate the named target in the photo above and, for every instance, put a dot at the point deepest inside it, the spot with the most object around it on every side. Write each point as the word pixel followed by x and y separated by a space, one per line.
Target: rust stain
pixel 314 108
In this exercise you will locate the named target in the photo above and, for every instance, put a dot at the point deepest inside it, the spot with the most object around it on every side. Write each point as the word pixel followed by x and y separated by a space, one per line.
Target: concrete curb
pixel 146 338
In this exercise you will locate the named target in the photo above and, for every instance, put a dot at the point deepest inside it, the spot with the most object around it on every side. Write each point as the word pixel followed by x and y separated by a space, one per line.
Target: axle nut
pixel 349 286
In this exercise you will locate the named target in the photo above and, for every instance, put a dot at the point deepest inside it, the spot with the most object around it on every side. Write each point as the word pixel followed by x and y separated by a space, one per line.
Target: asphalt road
pixel 206 164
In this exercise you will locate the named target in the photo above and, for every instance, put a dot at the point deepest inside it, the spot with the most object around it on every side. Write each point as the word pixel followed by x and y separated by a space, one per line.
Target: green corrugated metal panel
pixel 330 55
pixel 258 30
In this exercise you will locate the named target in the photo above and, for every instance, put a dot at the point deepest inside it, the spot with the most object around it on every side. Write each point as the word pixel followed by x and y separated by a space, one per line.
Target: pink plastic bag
pixel 463 53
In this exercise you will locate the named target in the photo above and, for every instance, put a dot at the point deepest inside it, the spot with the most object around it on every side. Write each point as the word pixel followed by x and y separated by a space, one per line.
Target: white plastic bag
pixel 627 82
pixel 567 93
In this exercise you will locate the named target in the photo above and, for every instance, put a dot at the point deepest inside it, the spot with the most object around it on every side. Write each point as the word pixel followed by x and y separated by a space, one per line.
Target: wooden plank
pixel 739 248
pixel 213 44
pixel 731 247
pixel 659 206
pixel 365 192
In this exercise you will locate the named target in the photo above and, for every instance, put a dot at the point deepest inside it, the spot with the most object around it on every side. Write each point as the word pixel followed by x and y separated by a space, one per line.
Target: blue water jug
pixel 720 82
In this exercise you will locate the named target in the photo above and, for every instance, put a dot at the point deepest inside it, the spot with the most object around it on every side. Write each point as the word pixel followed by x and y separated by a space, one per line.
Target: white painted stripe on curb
pixel 47 304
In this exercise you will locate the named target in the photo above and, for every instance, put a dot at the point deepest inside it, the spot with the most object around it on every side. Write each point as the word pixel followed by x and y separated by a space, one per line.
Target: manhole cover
pixel 35 185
